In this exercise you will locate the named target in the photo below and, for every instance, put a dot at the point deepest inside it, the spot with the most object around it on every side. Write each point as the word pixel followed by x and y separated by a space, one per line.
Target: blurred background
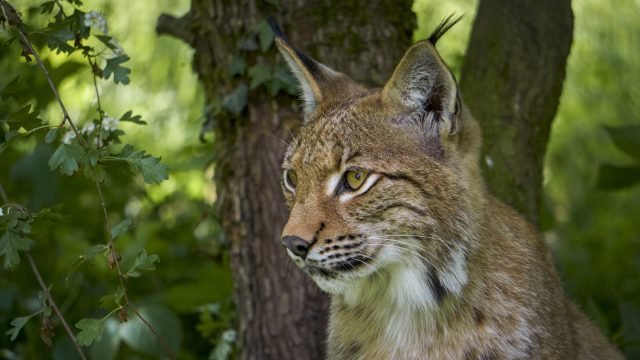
pixel 592 226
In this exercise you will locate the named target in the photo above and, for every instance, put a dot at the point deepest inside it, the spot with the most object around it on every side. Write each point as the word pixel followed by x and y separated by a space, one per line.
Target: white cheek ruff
pixel 363 189
pixel 286 182
pixel 332 184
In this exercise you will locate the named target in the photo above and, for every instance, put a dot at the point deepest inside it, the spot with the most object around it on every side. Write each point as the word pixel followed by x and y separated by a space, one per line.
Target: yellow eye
pixel 290 179
pixel 355 178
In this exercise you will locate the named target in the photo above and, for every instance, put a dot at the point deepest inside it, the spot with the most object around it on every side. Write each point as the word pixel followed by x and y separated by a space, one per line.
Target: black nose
pixel 297 245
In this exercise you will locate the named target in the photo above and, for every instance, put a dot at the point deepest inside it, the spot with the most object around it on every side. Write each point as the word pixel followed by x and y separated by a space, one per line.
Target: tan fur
pixel 424 264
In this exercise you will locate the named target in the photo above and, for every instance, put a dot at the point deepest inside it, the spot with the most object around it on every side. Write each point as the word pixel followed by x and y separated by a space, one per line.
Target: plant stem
pixel 53 304
pixel 16 21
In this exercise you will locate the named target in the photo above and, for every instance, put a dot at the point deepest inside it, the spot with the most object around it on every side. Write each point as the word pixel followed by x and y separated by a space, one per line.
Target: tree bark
pixel 511 80
pixel 281 314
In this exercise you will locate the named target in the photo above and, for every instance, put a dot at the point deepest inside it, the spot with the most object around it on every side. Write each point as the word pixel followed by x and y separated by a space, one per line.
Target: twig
pixel 5 199
pixel 53 304
pixel 67 118
pixel 44 288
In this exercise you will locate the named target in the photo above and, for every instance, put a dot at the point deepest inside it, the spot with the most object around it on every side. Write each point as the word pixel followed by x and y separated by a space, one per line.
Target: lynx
pixel 390 216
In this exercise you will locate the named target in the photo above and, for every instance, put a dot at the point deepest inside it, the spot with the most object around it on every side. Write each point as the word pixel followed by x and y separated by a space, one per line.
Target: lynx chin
pixel 390 216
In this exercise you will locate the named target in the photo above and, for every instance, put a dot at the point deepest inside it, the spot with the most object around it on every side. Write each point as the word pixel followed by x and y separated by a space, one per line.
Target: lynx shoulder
pixel 390 216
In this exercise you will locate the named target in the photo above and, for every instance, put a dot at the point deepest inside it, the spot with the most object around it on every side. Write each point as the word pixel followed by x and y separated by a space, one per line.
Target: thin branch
pixel 53 304
pixel 3 194
pixel 44 288
pixel 16 22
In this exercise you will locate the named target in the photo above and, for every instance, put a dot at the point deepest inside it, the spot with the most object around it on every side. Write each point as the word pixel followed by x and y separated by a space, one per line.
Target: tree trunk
pixel 511 81
pixel 281 314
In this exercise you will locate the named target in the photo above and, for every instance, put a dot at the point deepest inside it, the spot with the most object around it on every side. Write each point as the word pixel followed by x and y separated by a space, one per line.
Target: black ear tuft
pixel 277 30
pixel 311 65
pixel 442 28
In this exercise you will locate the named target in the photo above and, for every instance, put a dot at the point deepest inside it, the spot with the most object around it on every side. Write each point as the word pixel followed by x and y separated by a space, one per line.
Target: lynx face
pixel 366 193
pixel 373 179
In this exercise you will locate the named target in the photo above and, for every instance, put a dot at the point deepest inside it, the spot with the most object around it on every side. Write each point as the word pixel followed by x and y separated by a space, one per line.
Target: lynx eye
pixel 290 180
pixel 355 178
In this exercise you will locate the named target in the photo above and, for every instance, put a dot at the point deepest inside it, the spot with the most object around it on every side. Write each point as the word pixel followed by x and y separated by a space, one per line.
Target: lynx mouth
pixel 347 265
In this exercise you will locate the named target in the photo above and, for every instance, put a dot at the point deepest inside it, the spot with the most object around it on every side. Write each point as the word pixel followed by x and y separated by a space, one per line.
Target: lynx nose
pixel 297 245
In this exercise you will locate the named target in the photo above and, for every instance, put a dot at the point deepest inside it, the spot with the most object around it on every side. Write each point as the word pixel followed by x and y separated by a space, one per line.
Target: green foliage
pixel 90 330
pixel 120 73
pixel 66 158
pixel 627 139
pixel 152 170
pixel 18 323
pixel 157 209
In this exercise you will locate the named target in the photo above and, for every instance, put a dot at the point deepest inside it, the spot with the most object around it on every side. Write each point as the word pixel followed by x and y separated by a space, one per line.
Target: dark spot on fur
pixel 351 351
pixel 476 354
pixel 340 238
pixel 328 241
pixel 439 291
pixel 335 247
pixel 478 316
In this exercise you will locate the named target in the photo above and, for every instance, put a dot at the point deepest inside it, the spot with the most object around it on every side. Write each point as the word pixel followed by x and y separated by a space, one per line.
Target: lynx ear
pixel 314 78
pixel 422 84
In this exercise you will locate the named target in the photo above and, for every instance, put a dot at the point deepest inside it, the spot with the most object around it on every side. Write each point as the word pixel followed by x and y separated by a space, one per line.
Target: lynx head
pixel 384 178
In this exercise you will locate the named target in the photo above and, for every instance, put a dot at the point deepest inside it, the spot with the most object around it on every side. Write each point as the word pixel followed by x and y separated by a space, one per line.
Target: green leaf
pixel 611 177
pixel 120 227
pixel 47 7
pixel 152 170
pixel 90 331
pixel 106 41
pixel 66 158
pixel 10 244
pixel 51 136
pixel 120 73
pixel 95 173
pixel 92 251
pixel 236 101
pixel 138 336
pixel 24 115
pixel 108 346
pixel 58 41
pixel 109 300
pixel 136 119
pixel 259 74
pixel 627 139
pixel 14 89
pixel 265 35
pixel 237 66
pixel 143 262
pixel 18 323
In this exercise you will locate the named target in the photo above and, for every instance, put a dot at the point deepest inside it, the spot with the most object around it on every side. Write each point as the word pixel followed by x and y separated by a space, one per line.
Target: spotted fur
pixel 421 261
